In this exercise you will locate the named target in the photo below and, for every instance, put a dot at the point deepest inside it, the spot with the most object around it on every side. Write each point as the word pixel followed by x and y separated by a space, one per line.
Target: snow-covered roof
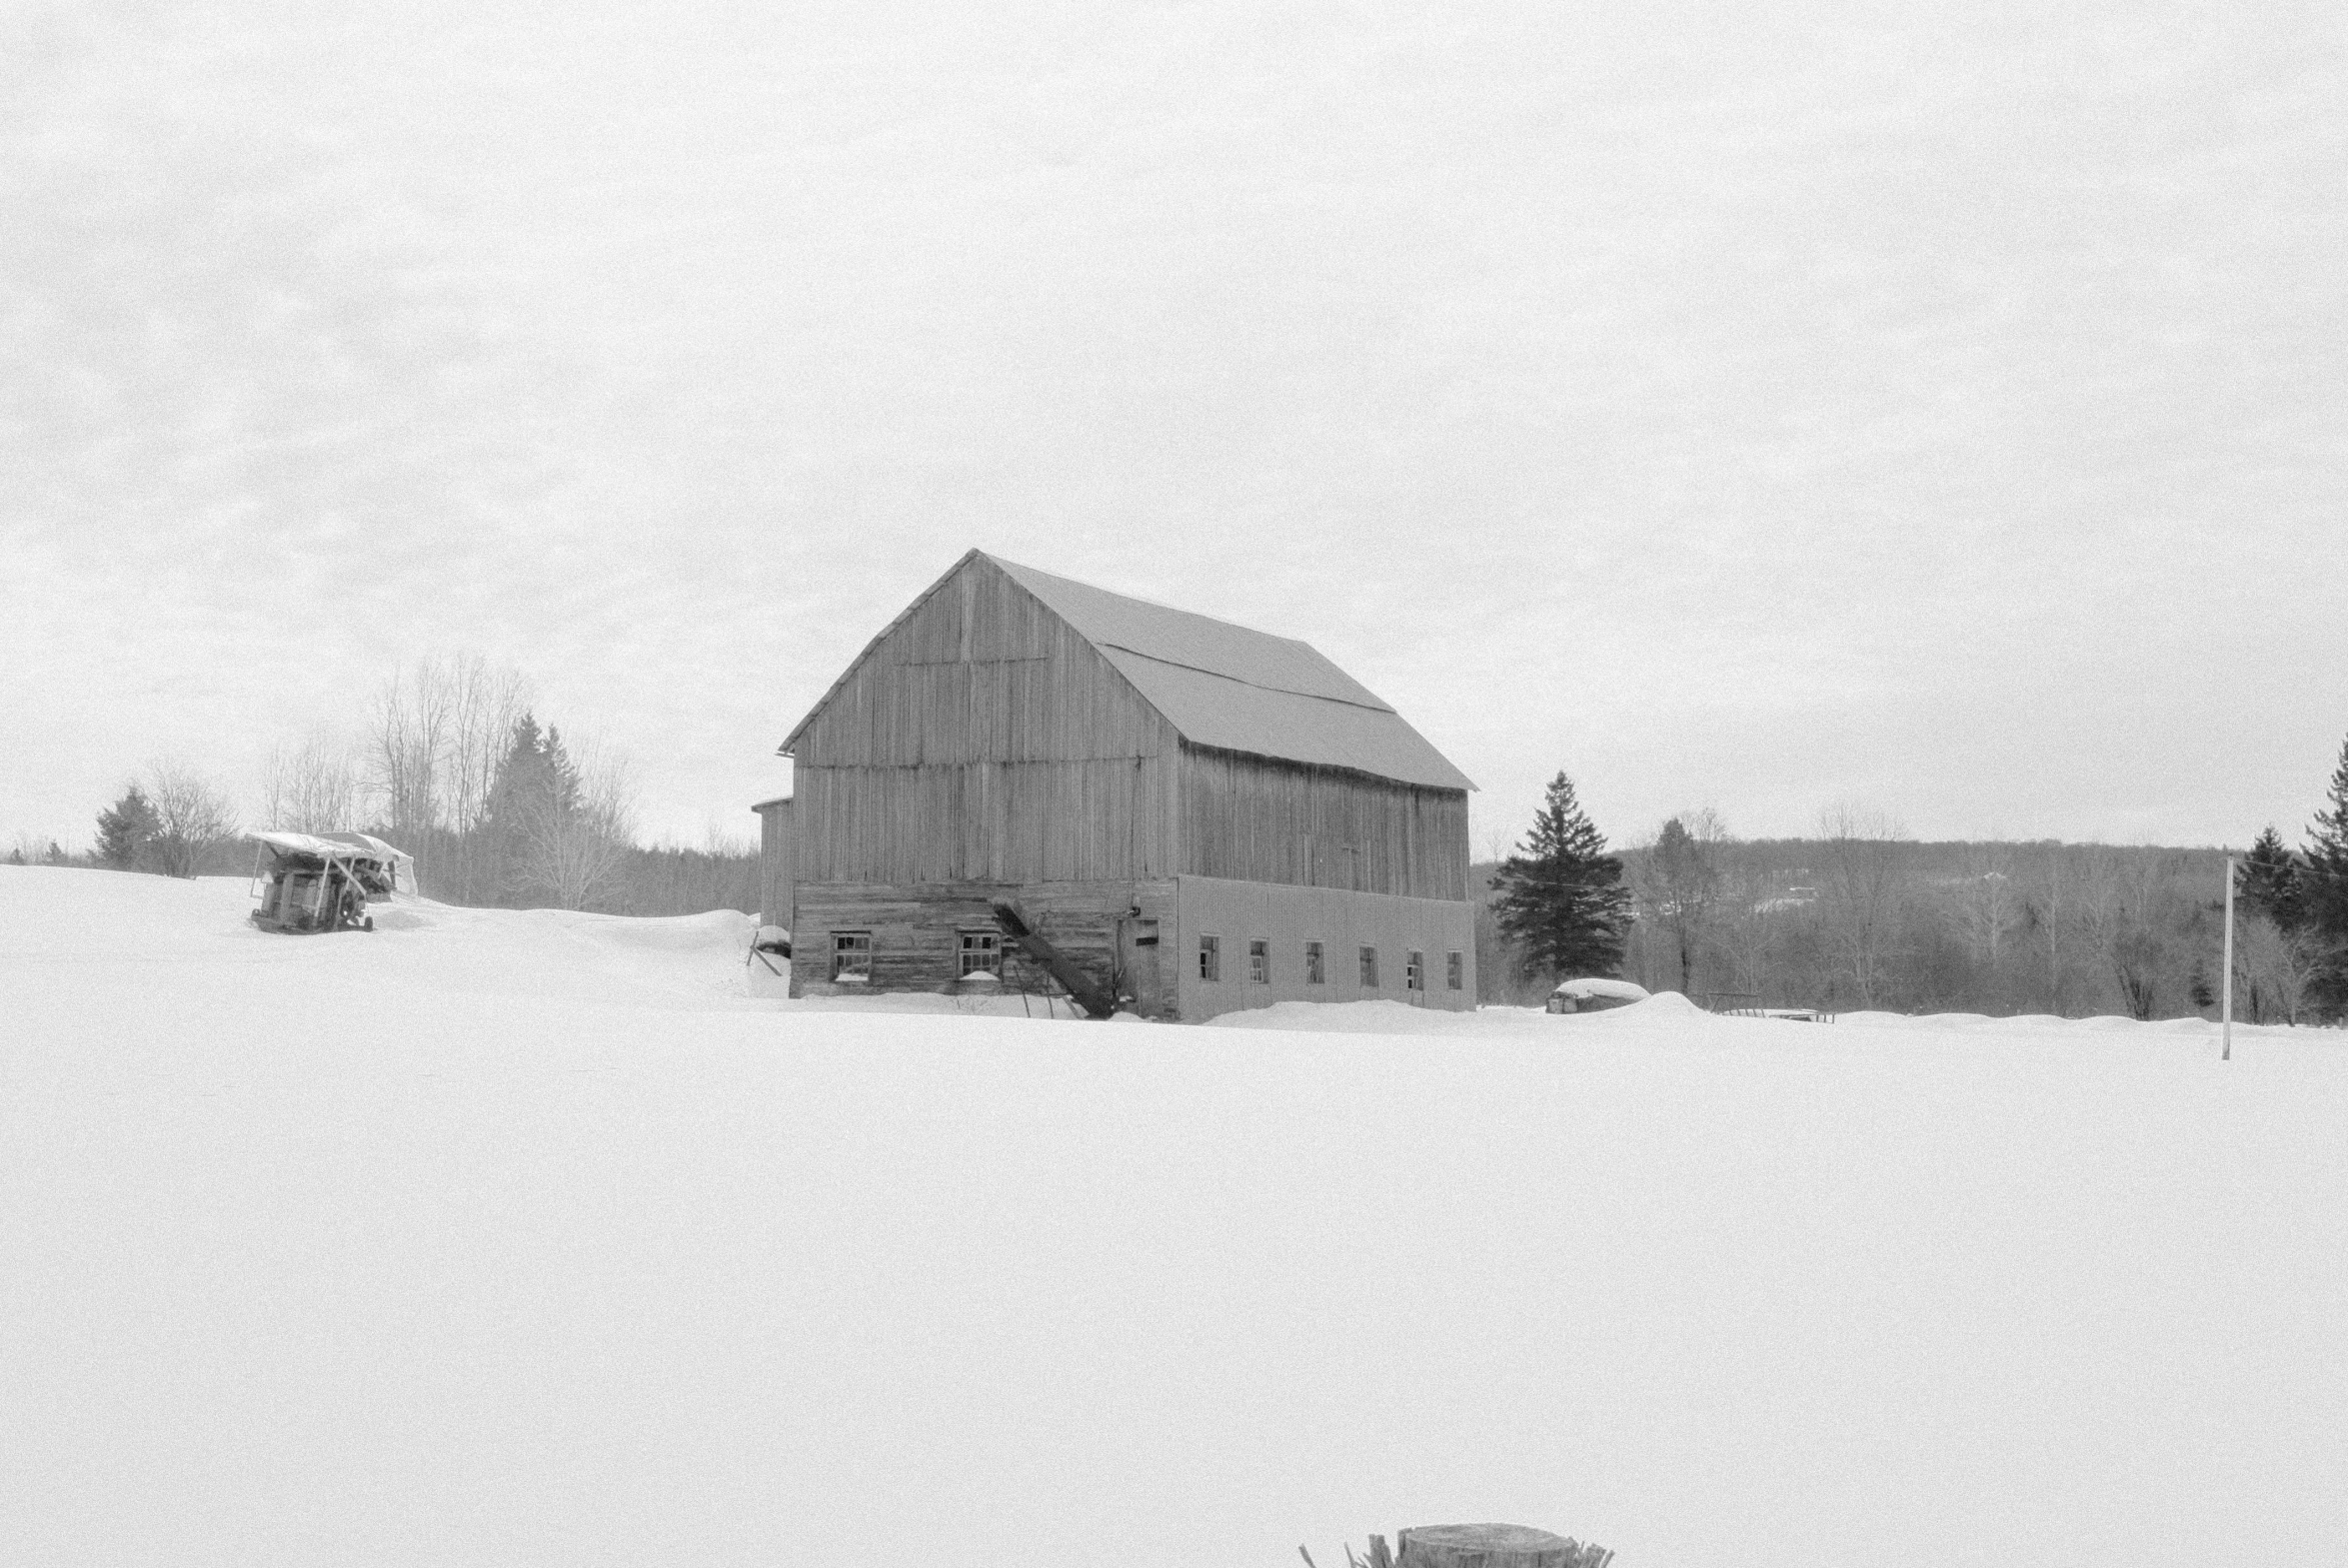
pixel 344 845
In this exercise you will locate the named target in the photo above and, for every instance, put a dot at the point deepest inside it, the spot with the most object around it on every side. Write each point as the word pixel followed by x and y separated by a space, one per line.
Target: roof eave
pixel 1465 787
pixel 791 740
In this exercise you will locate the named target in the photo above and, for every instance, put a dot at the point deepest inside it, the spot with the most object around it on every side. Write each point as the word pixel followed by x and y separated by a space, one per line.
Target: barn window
pixel 1316 968
pixel 1259 962
pixel 1454 971
pixel 852 955
pixel 982 954
pixel 1414 971
pixel 1369 969
pixel 1211 957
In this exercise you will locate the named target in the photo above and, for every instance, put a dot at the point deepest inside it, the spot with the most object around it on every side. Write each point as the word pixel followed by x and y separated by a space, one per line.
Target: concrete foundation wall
pixel 1286 917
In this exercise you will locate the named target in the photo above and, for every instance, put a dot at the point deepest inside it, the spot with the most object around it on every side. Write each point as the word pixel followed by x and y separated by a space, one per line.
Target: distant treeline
pixel 455 770
pixel 1867 918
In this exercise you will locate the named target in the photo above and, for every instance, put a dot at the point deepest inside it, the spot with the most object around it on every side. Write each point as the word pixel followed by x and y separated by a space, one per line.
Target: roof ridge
pixel 1156 604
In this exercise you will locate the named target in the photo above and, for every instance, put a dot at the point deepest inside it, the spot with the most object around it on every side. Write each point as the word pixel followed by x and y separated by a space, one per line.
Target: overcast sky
pixel 1944 408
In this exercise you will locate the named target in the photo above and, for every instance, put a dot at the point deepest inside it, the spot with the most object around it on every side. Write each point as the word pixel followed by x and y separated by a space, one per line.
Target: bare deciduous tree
pixel 1860 894
pixel 2120 909
pixel 1751 917
pixel 2273 969
pixel 1989 904
pixel 1682 884
pixel 192 819
pixel 311 787
pixel 438 733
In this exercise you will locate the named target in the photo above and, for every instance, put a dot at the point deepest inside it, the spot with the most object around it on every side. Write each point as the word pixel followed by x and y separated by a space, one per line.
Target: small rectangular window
pixel 1369 969
pixel 1414 971
pixel 1316 968
pixel 1211 957
pixel 1259 962
pixel 982 954
pixel 1454 971
pixel 852 955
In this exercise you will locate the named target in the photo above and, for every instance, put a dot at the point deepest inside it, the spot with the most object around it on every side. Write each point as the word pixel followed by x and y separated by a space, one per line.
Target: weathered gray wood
pixel 1097 998
pixel 916 934
pixel 1254 819
pixel 776 849
pixel 1495 1546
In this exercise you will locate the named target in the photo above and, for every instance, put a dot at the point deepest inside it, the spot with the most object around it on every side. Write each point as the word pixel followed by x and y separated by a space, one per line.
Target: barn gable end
pixel 980 738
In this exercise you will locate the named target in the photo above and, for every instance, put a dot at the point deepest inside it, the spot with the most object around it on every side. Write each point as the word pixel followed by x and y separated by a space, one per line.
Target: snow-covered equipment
pixel 309 883
pixel 1595 995
pixel 1478 1546
pixel 1495 1546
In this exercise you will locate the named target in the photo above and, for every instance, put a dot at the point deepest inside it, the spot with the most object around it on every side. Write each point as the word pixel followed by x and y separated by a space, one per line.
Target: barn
pixel 1028 784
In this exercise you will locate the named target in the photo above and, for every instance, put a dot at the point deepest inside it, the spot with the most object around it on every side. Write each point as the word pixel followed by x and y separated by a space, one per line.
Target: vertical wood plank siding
pixel 984 741
pixel 1084 820
pixel 1249 819
pixel 776 845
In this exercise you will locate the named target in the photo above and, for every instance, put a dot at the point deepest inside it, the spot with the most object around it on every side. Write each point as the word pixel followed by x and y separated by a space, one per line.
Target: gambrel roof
pixel 1230 687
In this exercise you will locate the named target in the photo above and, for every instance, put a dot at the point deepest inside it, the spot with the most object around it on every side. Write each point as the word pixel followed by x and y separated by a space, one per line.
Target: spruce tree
pixel 562 776
pixel 2269 882
pixel 1561 898
pixel 2323 895
pixel 515 793
pixel 126 829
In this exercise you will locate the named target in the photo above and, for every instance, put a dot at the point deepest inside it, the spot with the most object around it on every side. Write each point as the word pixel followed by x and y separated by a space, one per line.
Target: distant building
pixel 1194 815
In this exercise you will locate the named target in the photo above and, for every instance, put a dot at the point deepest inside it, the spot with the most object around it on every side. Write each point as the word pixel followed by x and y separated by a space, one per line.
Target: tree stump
pixel 1495 1546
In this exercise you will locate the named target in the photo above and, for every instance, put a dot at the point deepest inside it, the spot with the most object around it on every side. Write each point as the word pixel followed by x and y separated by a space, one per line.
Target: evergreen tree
pixel 16 856
pixel 2269 882
pixel 562 776
pixel 520 785
pixel 2323 895
pixel 126 829
pixel 56 853
pixel 1561 898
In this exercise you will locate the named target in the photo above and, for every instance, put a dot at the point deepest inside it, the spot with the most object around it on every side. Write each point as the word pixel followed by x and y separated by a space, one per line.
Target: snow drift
pixel 531 1238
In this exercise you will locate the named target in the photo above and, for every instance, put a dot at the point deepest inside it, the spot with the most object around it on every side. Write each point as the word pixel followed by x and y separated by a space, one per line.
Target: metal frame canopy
pixel 343 847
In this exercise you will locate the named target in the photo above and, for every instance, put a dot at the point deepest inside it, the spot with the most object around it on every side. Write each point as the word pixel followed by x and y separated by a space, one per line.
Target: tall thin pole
pixel 2226 987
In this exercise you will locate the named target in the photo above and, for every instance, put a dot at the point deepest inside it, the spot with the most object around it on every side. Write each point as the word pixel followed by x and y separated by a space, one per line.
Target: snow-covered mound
pixel 1595 988
pixel 531 1238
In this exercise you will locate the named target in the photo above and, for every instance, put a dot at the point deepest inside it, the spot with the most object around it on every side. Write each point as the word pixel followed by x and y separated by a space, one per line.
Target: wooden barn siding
pixel 774 862
pixel 981 740
pixel 1010 822
pixel 979 671
pixel 1249 819
pixel 917 936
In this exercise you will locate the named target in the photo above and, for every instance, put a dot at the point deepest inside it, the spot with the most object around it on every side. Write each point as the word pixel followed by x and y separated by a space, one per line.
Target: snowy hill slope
pixel 526 1238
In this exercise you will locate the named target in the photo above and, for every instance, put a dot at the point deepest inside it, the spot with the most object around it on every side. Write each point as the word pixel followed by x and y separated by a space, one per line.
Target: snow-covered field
pixel 507 1239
